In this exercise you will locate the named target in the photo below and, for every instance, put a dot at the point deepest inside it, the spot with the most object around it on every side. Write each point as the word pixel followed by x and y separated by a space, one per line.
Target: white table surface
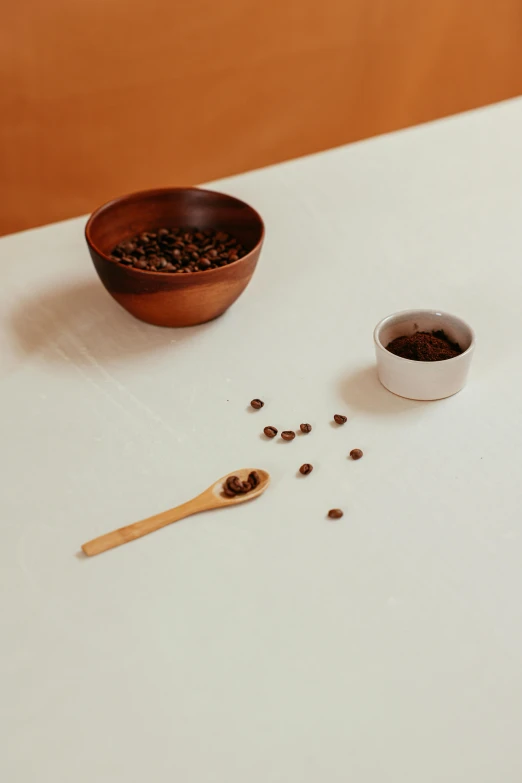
pixel 267 644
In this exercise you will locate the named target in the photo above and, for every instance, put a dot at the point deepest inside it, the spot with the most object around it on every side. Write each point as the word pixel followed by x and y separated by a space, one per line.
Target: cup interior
pixel 411 321
pixel 172 207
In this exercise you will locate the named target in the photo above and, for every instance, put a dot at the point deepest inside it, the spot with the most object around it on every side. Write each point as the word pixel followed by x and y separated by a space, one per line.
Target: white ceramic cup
pixel 423 380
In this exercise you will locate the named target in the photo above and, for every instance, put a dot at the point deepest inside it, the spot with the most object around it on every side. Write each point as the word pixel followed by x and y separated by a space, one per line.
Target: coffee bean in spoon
pixel 234 486
pixel 254 478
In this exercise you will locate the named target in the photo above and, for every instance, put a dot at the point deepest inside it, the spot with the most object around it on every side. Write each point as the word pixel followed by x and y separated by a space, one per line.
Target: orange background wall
pixel 99 97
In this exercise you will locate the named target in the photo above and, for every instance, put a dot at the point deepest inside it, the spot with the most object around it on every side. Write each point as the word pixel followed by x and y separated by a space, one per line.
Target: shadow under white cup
pixel 423 380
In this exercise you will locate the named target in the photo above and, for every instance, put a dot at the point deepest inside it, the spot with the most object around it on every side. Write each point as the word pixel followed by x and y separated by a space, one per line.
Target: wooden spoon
pixel 213 497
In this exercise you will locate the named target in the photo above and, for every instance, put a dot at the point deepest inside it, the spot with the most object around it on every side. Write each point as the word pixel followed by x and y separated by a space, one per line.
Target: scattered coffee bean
pixel 356 454
pixel 257 404
pixel 306 469
pixel 305 427
pixel 270 432
pixel 339 419
pixel 288 435
pixel 185 250
pixel 234 486
pixel 335 513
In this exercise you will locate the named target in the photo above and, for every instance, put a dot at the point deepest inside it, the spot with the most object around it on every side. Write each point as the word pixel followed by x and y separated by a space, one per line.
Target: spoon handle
pixel 142 528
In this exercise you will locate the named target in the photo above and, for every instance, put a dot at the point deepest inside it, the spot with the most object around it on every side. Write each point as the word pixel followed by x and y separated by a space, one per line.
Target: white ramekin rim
pixel 423 311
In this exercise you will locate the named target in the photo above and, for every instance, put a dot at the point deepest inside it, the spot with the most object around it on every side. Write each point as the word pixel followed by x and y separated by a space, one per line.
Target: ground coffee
pixel 425 347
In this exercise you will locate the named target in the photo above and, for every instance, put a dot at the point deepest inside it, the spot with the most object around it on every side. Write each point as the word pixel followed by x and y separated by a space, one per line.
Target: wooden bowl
pixel 173 299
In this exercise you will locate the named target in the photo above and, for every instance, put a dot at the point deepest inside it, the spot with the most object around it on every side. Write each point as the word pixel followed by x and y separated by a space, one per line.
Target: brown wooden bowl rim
pixel 136 195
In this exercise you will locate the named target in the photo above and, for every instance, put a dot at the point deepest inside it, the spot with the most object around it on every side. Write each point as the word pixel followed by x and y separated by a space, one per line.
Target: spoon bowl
pixel 213 497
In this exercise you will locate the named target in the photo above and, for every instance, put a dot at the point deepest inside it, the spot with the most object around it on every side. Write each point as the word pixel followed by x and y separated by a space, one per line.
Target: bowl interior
pixel 173 207
pixel 412 321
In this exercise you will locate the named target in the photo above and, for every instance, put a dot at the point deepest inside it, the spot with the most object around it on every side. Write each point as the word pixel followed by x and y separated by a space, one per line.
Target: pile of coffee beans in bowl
pixel 179 250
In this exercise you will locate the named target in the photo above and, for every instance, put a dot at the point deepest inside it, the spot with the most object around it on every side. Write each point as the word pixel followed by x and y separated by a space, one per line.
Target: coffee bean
pixel 189 250
pixel 254 479
pixel 270 432
pixel 305 427
pixel 306 468
pixel 228 492
pixel 356 454
pixel 340 419
pixel 335 513
pixel 257 404
pixel 288 435
pixel 233 483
